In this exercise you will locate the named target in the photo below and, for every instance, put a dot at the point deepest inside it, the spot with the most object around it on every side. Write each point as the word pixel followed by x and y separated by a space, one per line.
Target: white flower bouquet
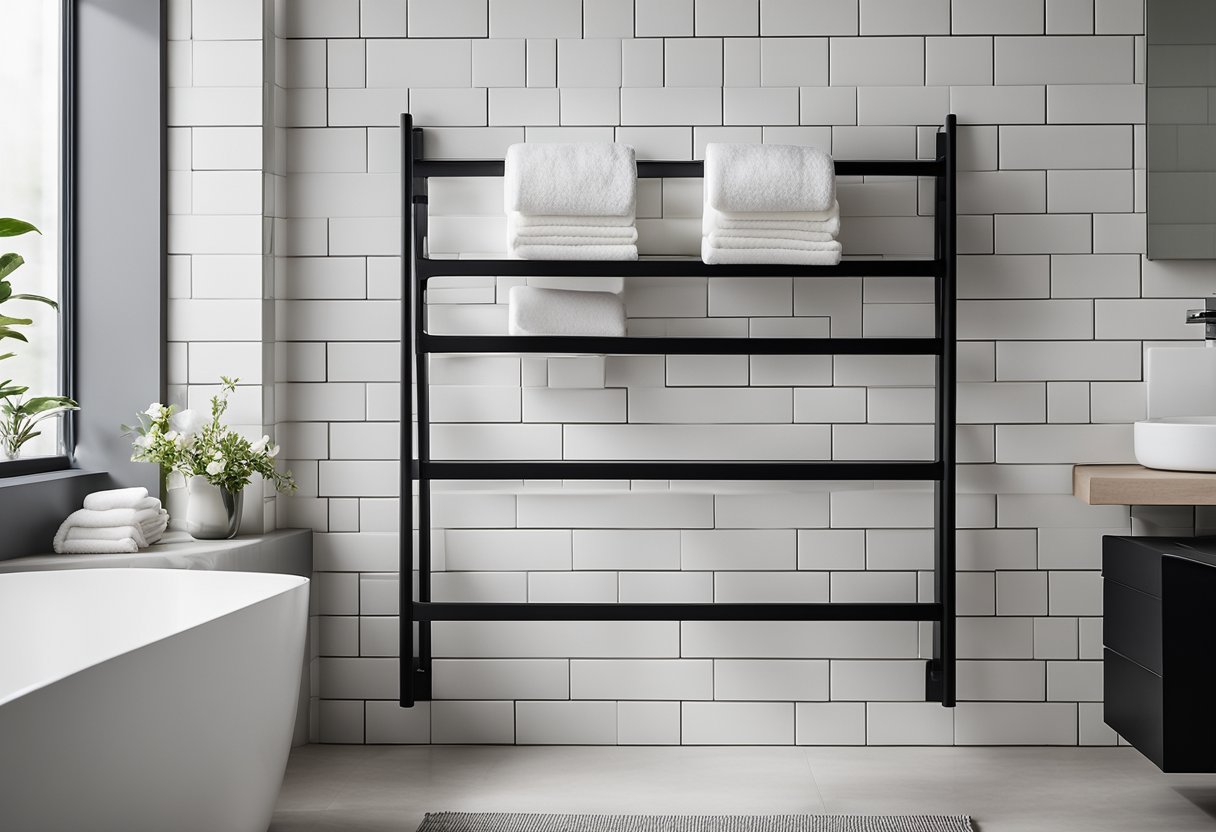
pixel 185 444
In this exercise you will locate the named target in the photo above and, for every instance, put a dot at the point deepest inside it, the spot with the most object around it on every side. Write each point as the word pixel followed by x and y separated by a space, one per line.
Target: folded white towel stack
pixel 768 203
pixel 536 311
pixel 119 520
pixel 571 201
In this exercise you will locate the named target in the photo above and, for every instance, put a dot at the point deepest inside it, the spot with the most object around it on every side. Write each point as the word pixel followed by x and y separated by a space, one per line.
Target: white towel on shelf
pixel 752 243
pixel 766 236
pixel 817 222
pixel 755 178
pixel 536 311
pixel 593 220
pixel 589 178
pixel 565 252
pixel 118 498
pixel 827 256
pixel 606 235
pixel 97 547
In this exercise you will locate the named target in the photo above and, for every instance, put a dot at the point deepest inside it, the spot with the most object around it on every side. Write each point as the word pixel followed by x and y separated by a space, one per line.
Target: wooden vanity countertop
pixel 1127 485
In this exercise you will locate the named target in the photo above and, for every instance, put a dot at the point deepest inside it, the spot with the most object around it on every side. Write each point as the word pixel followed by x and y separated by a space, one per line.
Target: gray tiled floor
pixel 381 788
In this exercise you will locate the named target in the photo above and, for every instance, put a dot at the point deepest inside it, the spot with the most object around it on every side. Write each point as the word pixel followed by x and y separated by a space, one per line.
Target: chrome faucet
pixel 1206 316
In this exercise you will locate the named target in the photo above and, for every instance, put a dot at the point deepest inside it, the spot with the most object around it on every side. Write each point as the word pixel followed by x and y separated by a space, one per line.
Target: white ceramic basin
pixel 1177 443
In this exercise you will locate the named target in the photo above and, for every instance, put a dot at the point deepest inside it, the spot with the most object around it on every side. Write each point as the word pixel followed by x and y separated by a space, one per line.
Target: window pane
pixel 30 162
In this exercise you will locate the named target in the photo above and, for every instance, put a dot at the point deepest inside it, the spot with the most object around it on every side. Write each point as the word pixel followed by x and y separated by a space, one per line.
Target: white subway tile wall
pixel 284 232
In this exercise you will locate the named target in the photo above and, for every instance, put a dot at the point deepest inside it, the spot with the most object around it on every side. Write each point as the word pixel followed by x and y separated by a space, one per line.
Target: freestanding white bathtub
pixel 146 700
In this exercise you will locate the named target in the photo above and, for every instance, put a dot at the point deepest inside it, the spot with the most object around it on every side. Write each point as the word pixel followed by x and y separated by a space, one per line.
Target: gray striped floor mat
pixel 514 822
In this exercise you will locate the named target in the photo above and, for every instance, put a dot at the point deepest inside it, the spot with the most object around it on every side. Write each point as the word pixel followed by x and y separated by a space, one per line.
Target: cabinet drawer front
pixel 1133 704
pixel 1131 625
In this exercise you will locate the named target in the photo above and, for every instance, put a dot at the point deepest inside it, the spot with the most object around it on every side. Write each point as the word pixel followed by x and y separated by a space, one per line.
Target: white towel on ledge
pixel 819 222
pixel 754 178
pixel 566 252
pixel 97 547
pixel 587 178
pixel 117 498
pixel 109 533
pixel 536 311
pixel 149 522
pixel 827 256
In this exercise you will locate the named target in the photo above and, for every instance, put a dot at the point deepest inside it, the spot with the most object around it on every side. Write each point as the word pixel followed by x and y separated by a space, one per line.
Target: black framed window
pixel 36 187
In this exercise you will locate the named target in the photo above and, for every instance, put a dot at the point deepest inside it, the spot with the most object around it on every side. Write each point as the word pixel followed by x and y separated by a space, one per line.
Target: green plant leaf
pixel 5 332
pixel 41 404
pixel 9 263
pixel 10 227
pixel 38 298
pixel 5 320
pixel 7 355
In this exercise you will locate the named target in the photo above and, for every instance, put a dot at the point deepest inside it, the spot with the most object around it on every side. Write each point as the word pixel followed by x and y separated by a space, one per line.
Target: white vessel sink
pixel 1177 443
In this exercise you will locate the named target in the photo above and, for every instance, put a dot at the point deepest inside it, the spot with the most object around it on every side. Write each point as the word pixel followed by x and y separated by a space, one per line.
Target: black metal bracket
pixel 934 680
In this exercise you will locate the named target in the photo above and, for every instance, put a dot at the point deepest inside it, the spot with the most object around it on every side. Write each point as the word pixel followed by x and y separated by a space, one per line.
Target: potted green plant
pixel 19 417
pixel 217 462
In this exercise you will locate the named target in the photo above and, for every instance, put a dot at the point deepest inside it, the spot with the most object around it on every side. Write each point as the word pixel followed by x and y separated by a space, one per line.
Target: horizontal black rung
pixel 433 611
pixel 425 268
pixel 573 469
pixel 648 169
pixel 676 345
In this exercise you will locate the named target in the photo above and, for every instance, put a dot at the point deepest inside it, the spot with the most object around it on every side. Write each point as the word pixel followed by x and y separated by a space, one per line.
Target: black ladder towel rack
pixel 415 676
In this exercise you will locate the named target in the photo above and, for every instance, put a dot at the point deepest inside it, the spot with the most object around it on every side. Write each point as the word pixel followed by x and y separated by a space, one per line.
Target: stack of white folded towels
pixel 571 201
pixel 112 522
pixel 768 203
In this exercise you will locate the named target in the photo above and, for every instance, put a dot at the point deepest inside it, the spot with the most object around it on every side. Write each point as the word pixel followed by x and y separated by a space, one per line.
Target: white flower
pixel 171 436
pixel 273 452
pixel 154 410
pixel 216 467
pixel 260 446
pixel 144 441
pixel 187 421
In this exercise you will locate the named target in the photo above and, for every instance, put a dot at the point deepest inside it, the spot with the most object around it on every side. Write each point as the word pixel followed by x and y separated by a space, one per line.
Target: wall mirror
pixel 1181 80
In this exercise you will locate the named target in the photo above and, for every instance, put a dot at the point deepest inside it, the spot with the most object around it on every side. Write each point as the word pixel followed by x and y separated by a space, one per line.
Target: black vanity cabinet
pixel 1159 657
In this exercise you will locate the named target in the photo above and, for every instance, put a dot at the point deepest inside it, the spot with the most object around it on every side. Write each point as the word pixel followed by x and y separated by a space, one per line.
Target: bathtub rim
pixel 293 583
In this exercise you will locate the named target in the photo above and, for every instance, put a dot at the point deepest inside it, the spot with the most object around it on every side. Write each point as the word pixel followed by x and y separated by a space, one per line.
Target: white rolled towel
pixel 118 498
pixel 811 222
pixel 828 255
pixel 583 179
pixel 754 178
pixel 97 547
pixel 536 311
pixel 568 252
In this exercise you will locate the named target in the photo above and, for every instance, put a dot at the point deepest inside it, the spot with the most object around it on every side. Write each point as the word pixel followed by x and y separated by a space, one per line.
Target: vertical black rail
pixel 406 694
pixel 947 366
pixel 422 381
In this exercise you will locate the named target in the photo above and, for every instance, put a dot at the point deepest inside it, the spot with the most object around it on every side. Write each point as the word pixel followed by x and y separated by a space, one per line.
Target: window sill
pixel 14 468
